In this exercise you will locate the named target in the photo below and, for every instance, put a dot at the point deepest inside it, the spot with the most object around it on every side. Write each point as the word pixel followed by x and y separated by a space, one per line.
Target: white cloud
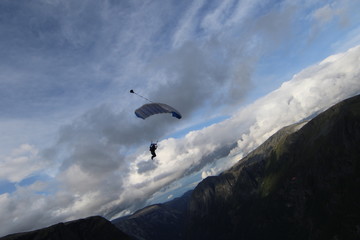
pixel 208 173
pixel 23 162
pixel 335 11
pixel 325 14
pixel 187 27
pixel 312 90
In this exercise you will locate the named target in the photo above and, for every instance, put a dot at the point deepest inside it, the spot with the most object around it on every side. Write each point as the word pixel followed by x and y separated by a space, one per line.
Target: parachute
pixel 152 108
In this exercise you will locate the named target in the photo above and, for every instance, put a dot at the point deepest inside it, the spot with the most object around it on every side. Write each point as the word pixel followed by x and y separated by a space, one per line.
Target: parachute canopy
pixel 150 109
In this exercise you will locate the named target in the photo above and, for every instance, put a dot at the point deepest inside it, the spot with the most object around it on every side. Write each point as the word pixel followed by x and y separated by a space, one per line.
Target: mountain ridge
pixel 91 228
pixel 281 193
pixel 157 221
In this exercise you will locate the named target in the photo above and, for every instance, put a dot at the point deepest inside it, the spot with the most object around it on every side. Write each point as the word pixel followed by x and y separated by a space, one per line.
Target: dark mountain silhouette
pixel 92 228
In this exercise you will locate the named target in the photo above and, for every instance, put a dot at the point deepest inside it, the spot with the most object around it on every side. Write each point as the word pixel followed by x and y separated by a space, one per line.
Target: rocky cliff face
pixel 300 184
pixel 92 228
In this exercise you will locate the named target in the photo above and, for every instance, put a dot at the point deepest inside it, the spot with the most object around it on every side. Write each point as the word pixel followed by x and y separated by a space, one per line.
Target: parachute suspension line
pixel 132 91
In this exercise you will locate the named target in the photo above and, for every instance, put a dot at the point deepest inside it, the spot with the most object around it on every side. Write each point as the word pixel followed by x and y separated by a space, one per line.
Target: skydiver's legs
pixel 153 155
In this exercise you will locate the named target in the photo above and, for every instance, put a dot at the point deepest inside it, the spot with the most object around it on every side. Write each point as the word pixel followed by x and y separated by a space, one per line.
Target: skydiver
pixel 153 147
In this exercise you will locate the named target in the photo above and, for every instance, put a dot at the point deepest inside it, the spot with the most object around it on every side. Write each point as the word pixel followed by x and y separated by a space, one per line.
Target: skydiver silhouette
pixel 153 147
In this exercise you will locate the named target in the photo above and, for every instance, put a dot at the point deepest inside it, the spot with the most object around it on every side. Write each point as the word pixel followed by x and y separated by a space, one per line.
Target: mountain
pixel 92 228
pixel 160 221
pixel 302 183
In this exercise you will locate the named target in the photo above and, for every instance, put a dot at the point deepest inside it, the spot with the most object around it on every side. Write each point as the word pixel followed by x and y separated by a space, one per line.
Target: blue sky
pixel 236 70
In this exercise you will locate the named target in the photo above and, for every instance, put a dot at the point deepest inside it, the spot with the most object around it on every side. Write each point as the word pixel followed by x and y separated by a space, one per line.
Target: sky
pixel 70 143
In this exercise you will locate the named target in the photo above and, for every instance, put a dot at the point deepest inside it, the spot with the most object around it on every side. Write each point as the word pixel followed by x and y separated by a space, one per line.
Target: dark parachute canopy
pixel 151 108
